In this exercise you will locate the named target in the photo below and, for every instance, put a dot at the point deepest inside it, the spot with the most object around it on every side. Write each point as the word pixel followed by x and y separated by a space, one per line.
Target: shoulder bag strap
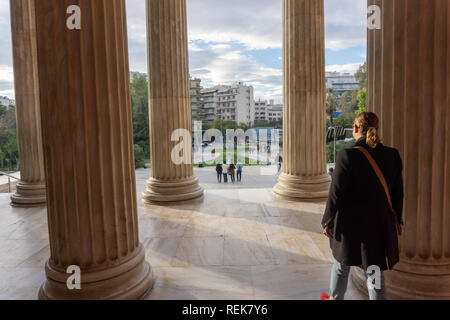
pixel 380 177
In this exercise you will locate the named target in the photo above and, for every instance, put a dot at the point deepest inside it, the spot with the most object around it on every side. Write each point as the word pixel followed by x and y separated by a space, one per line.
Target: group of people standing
pixel 231 170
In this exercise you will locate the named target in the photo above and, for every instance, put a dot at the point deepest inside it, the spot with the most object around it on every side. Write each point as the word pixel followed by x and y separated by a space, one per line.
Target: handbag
pixel 382 181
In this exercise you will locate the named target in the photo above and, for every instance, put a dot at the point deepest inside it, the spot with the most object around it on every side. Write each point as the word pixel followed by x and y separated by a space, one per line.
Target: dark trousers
pixel 232 177
pixel 219 177
pixel 239 176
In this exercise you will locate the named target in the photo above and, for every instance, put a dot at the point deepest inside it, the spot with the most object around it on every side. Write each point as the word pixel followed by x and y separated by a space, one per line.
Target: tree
pixel 243 126
pixel 361 76
pixel 224 125
pixel 361 101
pixel 345 120
pixel 139 102
pixel 332 103
pixel 139 157
pixel 7 121
pixel 9 149
pixel 349 102
pixel 340 145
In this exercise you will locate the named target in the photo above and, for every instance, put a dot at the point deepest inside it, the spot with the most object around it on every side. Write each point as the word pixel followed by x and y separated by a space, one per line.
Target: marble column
pixel 30 190
pixel 409 86
pixel 304 174
pixel 169 105
pixel 88 151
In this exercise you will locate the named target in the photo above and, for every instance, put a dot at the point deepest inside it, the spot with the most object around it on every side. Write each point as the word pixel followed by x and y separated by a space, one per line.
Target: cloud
pixel 345 24
pixel 224 64
pixel 221 33
pixel 346 68
pixel 256 24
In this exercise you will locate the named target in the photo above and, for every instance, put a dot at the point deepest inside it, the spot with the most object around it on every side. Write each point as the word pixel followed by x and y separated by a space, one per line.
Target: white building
pixel 235 102
pixel 274 112
pixel 261 110
pixel 341 82
pixel 209 104
pixel 5 101
pixel 268 111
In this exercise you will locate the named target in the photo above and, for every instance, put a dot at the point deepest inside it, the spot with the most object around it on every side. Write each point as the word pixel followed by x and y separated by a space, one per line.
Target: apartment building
pixel 196 100
pixel 236 103
pixel 261 110
pixel 268 111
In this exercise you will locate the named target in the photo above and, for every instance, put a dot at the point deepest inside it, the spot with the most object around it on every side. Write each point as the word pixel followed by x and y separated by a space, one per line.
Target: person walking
pixel 280 162
pixel 363 215
pixel 330 172
pixel 231 171
pixel 219 171
pixel 239 168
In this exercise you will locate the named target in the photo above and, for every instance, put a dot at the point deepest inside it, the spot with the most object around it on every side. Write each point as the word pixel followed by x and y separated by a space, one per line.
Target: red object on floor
pixel 324 296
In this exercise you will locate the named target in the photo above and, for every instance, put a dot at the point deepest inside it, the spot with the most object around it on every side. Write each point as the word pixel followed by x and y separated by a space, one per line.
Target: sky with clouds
pixel 232 40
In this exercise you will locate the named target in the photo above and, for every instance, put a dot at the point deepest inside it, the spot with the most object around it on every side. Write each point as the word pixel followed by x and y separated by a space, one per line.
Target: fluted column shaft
pixel 169 105
pixel 88 148
pixel 30 190
pixel 409 88
pixel 304 174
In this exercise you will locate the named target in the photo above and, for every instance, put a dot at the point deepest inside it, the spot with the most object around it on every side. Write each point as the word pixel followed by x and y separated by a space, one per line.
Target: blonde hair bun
pixel 368 122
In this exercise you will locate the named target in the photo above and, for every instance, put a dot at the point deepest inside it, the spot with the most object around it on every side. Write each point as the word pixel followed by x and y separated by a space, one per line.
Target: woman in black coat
pixel 358 219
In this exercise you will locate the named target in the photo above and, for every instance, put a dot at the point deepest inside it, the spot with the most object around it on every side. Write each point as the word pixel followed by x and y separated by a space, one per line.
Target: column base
pixel 412 282
pixel 131 280
pixel 172 191
pixel 314 189
pixel 29 195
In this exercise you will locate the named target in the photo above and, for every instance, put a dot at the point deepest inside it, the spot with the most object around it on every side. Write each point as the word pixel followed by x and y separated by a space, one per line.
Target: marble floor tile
pixel 238 210
pixel 250 228
pixel 160 252
pixel 291 282
pixel 19 293
pixel 168 293
pixel 288 249
pixel 14 252
pixel 37 260
pixel 256 196
pixel 234 280
pixel 162 226
pixel 247 252
pixel 21 277
pixel 204 225
pixel 199 252
pixel 286 225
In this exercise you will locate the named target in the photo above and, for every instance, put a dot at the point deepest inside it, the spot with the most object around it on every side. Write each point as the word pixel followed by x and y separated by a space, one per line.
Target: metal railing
pixel 10 176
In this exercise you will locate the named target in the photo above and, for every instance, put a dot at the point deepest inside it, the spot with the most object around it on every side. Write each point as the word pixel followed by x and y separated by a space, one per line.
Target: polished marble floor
pixel 237 242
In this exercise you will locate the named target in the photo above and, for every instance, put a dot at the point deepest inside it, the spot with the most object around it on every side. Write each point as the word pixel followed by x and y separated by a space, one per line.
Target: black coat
pixel 358 210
